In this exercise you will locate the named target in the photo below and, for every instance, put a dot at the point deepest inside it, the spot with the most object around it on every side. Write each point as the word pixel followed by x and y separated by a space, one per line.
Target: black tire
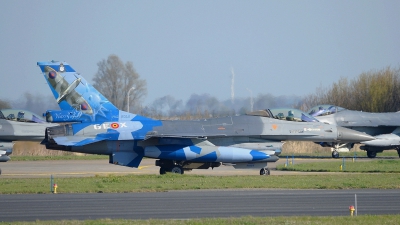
pixel 265 172
pixel 371 154
pixel 177 169
pixel 335 154
pixel 162 170
pixel 0 171
pixel 398 152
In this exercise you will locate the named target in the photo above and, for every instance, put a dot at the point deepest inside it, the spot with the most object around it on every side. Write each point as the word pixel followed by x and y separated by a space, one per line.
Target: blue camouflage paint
pixel 172 152
pixel 195 149
pixel 211 157
pixel 55 65
pixel 258 156
pixel 101 122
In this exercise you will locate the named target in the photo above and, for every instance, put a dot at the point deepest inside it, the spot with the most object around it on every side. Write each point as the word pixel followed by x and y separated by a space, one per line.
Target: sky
pixel 190 47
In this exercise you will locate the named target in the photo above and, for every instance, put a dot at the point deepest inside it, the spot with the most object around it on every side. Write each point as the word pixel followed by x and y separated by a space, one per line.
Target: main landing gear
pixel 335 154
pixel 265 172
pixel 176 169
pixel 371 154
pixel 180 167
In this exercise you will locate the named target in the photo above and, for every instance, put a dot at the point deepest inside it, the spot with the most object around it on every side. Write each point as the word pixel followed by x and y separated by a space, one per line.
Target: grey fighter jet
pixel 19 125
pixel 383 126
pixel 246 141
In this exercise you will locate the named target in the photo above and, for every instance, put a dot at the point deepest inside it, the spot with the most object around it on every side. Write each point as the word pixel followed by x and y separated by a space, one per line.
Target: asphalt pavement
pixel 197 204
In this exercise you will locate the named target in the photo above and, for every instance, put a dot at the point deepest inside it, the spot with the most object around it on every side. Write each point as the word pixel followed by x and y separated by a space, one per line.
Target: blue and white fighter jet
pixel 96 126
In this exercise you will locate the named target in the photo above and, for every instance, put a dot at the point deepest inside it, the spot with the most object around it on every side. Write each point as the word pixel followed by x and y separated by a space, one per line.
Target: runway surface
pixel 197 204
pixel 82 168
pixel 179 204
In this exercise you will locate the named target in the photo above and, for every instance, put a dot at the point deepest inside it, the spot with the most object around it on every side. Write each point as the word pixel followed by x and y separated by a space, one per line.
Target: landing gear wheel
pixel 398 152
pixel 162 170
pixel 265 172
pixel 0 171
pixel 335 154
pixel 177 169
pixel 371 154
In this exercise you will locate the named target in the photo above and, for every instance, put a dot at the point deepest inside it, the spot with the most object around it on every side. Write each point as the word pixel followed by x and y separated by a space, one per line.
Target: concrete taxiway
pixel 197 204
pixel 82 168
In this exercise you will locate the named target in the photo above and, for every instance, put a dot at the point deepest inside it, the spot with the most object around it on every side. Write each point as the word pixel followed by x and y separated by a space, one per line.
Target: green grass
pixel 159 183
pixel 298 220
pixel 373 166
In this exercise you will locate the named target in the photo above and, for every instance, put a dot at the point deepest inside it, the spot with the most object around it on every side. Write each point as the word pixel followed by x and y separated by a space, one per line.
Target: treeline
pixel 36 103
pixel 207 106
pixel 373 91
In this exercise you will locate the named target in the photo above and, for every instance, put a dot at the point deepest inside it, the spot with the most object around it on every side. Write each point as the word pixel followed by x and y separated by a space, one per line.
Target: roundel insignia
pixel 84 106
pixel 114 125
pixel 62 69
pixel 52 74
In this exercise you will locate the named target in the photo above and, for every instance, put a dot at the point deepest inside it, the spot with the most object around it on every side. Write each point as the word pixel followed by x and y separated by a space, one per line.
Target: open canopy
pixel 284 114
pixel 21 116
pixel 322 110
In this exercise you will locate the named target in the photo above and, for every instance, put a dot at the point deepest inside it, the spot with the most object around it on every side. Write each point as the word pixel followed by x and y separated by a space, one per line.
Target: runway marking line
pixel 143 167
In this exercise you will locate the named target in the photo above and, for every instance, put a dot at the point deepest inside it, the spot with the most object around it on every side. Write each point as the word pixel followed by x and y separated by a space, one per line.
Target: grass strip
pixel 159 183
pixel 346 165
pixel 298 220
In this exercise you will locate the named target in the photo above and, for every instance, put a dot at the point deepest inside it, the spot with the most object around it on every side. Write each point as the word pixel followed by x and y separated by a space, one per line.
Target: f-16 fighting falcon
pixel 385 127
pixel 19 125
pixel 246 141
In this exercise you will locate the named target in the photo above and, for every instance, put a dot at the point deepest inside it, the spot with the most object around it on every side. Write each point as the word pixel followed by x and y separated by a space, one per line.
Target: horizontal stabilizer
pixel 77 140
pixel 129 159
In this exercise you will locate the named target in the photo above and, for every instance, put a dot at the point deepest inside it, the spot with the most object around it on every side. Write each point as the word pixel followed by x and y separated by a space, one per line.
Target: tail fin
pixel 75 95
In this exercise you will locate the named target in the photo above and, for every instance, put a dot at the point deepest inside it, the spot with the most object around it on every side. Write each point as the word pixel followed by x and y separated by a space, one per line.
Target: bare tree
pixel 4 104
pixel 373 91
pixel 114 80
pixel 36 103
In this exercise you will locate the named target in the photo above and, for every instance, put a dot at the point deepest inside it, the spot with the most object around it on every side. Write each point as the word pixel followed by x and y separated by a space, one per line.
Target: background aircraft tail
pixel 78 100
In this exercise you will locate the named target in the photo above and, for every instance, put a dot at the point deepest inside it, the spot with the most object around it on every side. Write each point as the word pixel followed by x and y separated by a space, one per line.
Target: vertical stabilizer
pixel 75 95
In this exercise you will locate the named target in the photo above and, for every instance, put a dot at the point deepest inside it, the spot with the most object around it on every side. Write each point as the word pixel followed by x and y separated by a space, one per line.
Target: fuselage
pixel 370 123
pixel 22 131
pixel 228 131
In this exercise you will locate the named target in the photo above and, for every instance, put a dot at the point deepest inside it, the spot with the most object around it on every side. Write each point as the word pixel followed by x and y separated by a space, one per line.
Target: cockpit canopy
pixel 284 114
pixel 21 116
pixel 323 110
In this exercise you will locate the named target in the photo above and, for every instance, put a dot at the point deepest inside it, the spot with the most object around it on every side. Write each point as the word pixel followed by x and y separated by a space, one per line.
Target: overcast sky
pixel 186 47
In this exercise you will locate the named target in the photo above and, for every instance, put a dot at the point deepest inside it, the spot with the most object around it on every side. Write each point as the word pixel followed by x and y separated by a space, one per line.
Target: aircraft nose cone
pixel 348 135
